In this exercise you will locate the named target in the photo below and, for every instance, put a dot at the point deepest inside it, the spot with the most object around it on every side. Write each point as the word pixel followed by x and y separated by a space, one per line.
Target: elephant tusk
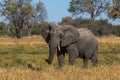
pixel 59 48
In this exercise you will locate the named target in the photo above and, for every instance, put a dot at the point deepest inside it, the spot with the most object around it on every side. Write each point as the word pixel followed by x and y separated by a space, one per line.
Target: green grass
pixel 20 55
pixel 23 49
pixel 109 48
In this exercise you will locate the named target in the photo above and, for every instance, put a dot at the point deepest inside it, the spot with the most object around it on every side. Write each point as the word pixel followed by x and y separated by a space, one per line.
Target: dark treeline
pixel 98 27
pixel 9 30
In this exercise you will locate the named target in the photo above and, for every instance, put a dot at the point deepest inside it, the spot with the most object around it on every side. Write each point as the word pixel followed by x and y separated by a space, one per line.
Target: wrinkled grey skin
pixel 67 39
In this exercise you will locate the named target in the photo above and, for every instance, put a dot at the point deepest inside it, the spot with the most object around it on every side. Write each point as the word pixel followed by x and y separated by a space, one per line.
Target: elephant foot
pixel 47 61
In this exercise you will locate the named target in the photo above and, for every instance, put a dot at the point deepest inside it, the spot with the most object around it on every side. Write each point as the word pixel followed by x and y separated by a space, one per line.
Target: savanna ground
pixel 17 54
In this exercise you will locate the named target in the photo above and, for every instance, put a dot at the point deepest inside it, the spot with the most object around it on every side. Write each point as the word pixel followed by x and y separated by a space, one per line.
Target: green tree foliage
pixel 37 28
pixel 66 20
pixel 3 29
pixel 93 7
pixel 114 10
pixel 21 13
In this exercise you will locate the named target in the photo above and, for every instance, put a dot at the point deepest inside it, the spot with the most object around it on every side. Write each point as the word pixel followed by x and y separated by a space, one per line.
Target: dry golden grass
pixel 109 39
pixel 66 73
pixel 25 40
pixel 39 40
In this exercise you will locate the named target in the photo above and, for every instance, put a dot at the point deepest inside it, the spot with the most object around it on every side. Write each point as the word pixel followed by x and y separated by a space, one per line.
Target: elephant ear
pixel 69 35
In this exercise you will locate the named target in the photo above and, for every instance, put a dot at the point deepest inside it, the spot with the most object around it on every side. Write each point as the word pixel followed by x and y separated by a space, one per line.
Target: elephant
pixel 78 43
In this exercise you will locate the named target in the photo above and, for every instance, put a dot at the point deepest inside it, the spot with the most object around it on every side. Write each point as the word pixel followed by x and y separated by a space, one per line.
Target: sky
pixel 56 9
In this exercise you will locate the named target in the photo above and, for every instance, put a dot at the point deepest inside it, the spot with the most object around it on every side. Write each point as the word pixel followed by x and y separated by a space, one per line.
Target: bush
pixel 99 27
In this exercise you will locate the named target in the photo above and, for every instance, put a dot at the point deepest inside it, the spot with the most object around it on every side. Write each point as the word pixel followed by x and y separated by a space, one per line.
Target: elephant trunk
pixel 51 54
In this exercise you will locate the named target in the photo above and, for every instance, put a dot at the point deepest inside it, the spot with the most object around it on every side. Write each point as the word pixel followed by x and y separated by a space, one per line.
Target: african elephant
pixel 67 39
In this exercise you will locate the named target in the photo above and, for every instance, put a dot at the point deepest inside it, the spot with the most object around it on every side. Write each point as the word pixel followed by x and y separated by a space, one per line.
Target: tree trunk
pixel 18 32
pixel 29 30
pixel 92 17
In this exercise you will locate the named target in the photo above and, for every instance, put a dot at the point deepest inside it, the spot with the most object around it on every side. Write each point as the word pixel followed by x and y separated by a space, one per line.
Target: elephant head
pixel 56 36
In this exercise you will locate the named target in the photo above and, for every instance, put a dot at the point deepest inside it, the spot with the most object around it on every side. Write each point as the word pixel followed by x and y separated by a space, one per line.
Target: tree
pixel 114 10
pixel 20 13
pixel 38 16
pixel 3 31
pixel 66 20
pixel 92 7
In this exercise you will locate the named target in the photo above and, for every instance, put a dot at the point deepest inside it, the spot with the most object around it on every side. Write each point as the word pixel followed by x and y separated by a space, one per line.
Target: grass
pixel 67 73
pixel 16 54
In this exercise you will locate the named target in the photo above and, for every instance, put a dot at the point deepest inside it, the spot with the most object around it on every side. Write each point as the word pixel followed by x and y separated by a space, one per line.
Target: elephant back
pixel 86 34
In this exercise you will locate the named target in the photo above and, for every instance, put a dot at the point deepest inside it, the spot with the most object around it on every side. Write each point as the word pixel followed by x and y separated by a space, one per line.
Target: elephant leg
pixel 94 59
pixel 86 58
pixel 71 59
pixel 85 62
pixel 73 53
pixel 60 56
